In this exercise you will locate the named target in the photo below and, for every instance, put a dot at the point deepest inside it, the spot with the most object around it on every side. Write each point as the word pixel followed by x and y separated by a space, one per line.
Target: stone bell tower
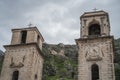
pixel 95 54
pixel 23 57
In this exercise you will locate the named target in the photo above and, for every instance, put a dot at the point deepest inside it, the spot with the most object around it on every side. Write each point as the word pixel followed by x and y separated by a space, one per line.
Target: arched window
pixel 94 29
pixel 23 37
pixel 95 72
pixel 15 75
pixel 38 40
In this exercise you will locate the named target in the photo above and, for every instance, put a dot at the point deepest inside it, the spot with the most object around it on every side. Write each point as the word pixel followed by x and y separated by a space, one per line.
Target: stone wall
pixel 96 51
pixel 24 58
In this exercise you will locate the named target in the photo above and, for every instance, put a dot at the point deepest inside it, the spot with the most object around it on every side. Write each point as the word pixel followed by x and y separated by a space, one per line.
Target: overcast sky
pixel 57 20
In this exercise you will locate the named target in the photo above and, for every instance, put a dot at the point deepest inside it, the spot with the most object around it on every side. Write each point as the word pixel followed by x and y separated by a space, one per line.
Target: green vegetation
pixel 57 67
pixel 1 62
pixel 117 58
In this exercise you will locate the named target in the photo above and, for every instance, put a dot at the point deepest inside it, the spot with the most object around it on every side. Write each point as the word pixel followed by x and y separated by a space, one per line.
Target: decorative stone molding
pixel 13 65
pixel 94 58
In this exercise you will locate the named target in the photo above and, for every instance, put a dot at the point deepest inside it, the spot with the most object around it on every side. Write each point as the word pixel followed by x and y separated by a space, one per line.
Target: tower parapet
pixel 26 36
pixel 95 24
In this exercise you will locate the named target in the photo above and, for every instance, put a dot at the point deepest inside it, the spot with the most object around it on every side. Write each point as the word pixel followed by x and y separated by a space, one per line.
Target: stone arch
pixel 15 75
pixel 94 28
pixel 94 21
pixel 95 72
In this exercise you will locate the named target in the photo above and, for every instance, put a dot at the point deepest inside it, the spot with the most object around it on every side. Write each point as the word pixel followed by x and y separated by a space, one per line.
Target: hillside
pixel 117 58
pixel 1 61
pixel 61 61
pixel 1 52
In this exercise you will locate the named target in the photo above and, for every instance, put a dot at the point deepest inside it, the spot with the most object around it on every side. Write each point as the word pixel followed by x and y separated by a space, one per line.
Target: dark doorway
pixel 36 77
pixel 94 29
pixel 15 75
pixel 23 38
pixel 95 72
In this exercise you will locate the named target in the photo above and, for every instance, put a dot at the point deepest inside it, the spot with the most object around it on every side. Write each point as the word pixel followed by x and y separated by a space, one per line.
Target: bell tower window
pixel 38 39
pixel 94 30
pixel 23 38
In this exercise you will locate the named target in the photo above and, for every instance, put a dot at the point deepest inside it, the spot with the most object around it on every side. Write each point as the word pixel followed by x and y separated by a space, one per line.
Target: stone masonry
pixel 95 54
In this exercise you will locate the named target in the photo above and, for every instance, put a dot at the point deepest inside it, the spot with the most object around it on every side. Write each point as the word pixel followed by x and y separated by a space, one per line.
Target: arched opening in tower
pixel 94 29
pixel 95 72
pixel 23 37
pixel 15 75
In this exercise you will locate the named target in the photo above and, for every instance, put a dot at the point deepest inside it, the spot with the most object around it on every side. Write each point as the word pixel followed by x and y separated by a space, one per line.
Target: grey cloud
pixel 57 20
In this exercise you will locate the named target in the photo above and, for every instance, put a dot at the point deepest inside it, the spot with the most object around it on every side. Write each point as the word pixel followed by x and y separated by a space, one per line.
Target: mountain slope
pixel 1 52
pixel 60 62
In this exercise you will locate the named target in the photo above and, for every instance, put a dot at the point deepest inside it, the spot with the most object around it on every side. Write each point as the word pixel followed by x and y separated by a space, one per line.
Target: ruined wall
pixel 26 59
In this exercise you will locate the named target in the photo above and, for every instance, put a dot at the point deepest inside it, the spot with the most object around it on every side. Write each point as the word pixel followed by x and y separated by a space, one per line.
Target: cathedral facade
pixel 24 58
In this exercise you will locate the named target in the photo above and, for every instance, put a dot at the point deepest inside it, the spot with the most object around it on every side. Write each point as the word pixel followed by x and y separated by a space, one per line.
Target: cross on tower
pixel 95 9
pixel 30 25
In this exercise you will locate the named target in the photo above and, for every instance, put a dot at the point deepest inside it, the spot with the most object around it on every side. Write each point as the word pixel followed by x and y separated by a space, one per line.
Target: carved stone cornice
pixel 13 65
pixel 94 58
